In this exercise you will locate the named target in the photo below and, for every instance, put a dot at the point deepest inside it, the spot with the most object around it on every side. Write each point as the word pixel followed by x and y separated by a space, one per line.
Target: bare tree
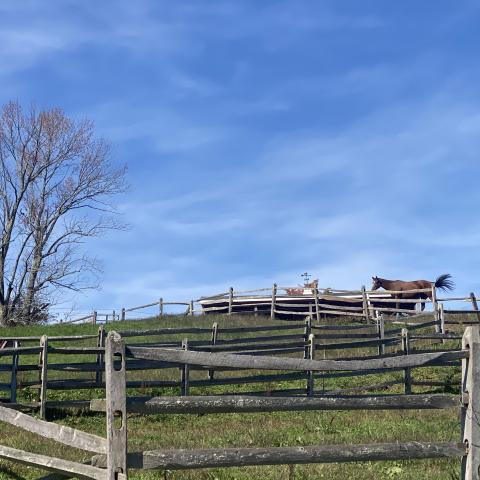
pixel 56 184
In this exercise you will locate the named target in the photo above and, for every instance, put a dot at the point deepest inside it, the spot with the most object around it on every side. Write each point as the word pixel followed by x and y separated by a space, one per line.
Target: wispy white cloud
pixel 401 141
pixel 35 31
pixel 166 130
pixel 208 227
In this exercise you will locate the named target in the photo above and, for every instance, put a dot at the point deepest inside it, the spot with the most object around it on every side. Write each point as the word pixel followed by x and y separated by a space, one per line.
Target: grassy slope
pixel 230 430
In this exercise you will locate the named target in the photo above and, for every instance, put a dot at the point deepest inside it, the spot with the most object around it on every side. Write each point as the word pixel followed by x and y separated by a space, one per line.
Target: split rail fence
pixel 47 366
pixel 118 459
pixel 279 302
pixel 112 461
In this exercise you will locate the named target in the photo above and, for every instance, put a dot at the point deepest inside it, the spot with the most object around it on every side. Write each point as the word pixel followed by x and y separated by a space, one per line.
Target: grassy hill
pixel 244 430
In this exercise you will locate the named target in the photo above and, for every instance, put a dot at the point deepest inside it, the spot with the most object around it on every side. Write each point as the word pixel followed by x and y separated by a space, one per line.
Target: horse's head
pixel 376 283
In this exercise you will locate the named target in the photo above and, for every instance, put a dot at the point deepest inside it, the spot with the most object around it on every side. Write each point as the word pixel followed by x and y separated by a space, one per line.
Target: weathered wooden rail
pixel 59 433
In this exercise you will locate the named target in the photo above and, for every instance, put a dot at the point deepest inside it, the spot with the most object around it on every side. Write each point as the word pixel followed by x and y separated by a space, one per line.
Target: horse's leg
pixel 397 305
pixel 427 296
pixel 423 296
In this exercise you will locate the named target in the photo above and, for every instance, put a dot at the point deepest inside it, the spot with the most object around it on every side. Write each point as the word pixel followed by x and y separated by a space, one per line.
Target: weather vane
pixel 306 277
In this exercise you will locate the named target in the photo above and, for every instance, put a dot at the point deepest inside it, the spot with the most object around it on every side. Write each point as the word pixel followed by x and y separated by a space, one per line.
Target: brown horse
pixel 443 282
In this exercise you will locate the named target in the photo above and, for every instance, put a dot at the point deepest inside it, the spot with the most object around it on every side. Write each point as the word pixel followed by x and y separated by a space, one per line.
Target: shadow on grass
pixel 61 414
pixel 10 474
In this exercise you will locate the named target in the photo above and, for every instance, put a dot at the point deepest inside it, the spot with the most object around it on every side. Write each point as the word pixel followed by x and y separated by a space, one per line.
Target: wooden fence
pixel 276 302
pixel 122 314
pixel 55 371
pixel 111 452
pixel 117 459
pixel 280 302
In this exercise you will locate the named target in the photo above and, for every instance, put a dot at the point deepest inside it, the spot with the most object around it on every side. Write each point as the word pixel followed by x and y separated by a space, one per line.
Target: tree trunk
pixel 30 291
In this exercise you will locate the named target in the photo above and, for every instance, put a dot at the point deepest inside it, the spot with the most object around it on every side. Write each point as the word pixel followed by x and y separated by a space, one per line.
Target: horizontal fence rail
pixel 243 457
pixel 239 403
pixel 66 468
pixel 279 363
pixel 59 433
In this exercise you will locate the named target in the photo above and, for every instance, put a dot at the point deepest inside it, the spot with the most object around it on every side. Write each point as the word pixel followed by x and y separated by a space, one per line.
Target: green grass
pixel 243 430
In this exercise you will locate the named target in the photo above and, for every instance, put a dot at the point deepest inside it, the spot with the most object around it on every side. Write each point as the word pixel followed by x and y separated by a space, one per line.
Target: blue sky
pixel 266 138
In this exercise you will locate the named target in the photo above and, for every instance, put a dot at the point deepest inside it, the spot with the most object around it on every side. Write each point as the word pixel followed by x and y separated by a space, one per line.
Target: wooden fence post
pixel 315 296
pixel 230 301
pixel 471 404
pixel 381 334
pixel 435 309
pixel 441 314
pixel 191 308
pixel 311 377
pixel 255 311
pixel 43 375
pixel 306 334
pixel 365 304
pixel 211 372
pixel 94 317
pixel 123 314
pixel 274 296
pixel 473 299
pixel 100 356
pixel 114 315
pixel 160 306
pixel 116 407
pixel 13 377
pixel 185 372
pixel 372 314
pixel 407 374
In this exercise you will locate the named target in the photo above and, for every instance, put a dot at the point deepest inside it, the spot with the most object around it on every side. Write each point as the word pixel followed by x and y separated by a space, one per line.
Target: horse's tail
pixel 444 282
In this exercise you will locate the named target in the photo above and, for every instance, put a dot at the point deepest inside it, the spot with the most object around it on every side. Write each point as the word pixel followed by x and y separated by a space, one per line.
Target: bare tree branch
pixel 56 186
